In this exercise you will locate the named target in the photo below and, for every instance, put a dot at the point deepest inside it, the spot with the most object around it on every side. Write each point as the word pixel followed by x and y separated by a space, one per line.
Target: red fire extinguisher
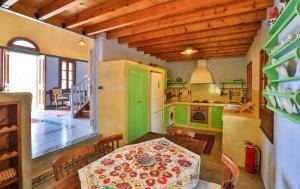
pixel 252 157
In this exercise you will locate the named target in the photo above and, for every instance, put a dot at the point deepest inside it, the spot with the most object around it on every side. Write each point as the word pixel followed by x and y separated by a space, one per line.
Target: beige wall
pixel 235 69
pixel 50 39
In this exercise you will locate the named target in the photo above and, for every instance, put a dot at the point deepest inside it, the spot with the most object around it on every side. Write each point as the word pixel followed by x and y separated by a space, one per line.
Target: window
pixel 266 115
pixel 23 43
pixel 67 74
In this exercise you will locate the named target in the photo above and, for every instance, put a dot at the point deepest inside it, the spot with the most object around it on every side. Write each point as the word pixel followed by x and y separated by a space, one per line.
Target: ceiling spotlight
pixel 189 50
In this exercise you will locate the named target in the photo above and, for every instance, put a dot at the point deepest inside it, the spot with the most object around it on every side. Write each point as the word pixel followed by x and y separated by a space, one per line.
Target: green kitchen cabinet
pixel 166 118
pixel 181 114
pixel 216 114
pixel 138 103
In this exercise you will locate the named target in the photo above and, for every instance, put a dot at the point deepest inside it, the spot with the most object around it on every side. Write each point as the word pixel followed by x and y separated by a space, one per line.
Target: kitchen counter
pixel 172 103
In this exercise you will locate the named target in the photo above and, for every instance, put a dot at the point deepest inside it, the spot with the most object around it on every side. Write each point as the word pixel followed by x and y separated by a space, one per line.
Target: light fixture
pixel 189 50
pixel 81 42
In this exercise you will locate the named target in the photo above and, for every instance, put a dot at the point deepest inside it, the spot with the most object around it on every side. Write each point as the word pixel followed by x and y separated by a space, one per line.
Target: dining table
pixel 195 146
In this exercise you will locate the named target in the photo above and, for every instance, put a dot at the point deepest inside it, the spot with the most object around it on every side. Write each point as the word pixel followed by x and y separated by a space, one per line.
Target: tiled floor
pixel 50 132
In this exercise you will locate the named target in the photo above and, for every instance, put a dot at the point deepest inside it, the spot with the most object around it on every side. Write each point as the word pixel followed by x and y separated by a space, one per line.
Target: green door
pixel 181 114
pixel 137 103
pixel 217 117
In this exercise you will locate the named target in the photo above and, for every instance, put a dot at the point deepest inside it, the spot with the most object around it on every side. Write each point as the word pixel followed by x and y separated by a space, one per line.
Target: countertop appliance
pixel 157 102
pixel 199 114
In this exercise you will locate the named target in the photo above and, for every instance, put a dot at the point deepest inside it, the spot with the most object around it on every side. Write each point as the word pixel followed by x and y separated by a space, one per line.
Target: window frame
pixel 249 81
pixel 12 45
pixel 67 73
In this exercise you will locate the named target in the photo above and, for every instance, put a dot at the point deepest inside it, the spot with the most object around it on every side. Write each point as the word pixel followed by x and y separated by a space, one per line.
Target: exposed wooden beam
pixel 245 35
pixel 55 7
pixel 179 49
pixel 197 35
pixel 94 13
pixel 199 15
pixel 7 3
pixel 205 45
pixel 169 8
pixel 202 25
pixel 203 55
pixel 215 50
pixel 207 58
pixel 167 56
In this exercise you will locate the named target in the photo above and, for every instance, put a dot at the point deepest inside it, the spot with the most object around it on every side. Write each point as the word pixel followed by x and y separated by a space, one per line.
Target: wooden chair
pixel 232 173
pixel 181 132
pixel 57 96
pixel 71 161
pixel 231 177
pixel 108 144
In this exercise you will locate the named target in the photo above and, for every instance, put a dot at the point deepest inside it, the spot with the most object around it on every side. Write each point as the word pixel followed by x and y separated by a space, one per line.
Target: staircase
pixel 80 99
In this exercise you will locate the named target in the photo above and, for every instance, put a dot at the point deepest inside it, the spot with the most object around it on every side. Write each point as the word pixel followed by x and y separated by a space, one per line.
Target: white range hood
pixel 202 74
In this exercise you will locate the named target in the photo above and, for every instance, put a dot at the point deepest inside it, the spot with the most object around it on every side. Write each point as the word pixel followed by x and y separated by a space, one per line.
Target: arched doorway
pixel 24 70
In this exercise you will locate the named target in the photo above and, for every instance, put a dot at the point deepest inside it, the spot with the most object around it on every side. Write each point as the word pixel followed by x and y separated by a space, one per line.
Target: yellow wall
pixel 50 39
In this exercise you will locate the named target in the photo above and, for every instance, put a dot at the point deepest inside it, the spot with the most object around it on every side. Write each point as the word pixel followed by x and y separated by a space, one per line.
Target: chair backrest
pixel 181 132
pixel 107 144
pixel 71 161
pixel 232 173
pixel 56 92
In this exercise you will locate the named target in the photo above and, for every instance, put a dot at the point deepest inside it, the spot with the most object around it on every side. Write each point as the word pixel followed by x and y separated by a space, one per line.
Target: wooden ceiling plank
pixel 203 55
pixel 198 35
pixel 199 15
pixel 205 51
pixel 94 13
pixel 202 25
pixel 8 3
pixel 206 58
pixel 179 49
pixel 205 45
pixel 203 40
pixel 192 35
pixel 55 7
pixel 199 54
pixel 169 8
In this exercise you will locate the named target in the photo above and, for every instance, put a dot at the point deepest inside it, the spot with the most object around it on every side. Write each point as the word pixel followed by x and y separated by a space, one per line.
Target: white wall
pixel 82 70
pixel 111 50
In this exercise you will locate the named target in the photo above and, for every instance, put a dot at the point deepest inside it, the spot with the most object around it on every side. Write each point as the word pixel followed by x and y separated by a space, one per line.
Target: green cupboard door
pixel 143 102
pixel 137 103
pixel 132 103
pixel 181 114
pixel 217 122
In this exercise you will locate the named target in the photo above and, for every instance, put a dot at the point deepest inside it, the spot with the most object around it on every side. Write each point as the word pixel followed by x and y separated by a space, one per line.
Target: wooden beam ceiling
pixel 199 46
pixel 182 44
pixel 199 56
pixel 95 13
pixel 55 7
pixel 199 15
pixel 206 58
pixel 197 35
pixel 7 3
pixel 203 25
pixel 169 8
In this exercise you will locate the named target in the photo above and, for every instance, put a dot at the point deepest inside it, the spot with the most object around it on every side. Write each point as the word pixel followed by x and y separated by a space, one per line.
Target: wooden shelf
pixel 294 96
pixel 9 182
pixel 6 154
pixel 296 78
pixel 176 82
pixel 288 14
pixel 233 82
pixel 293 117
pixel 271 66
pixel 290 46
pixel 7 129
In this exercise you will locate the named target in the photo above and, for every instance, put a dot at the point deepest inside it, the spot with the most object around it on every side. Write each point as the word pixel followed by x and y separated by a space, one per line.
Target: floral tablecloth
pixel 175 167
